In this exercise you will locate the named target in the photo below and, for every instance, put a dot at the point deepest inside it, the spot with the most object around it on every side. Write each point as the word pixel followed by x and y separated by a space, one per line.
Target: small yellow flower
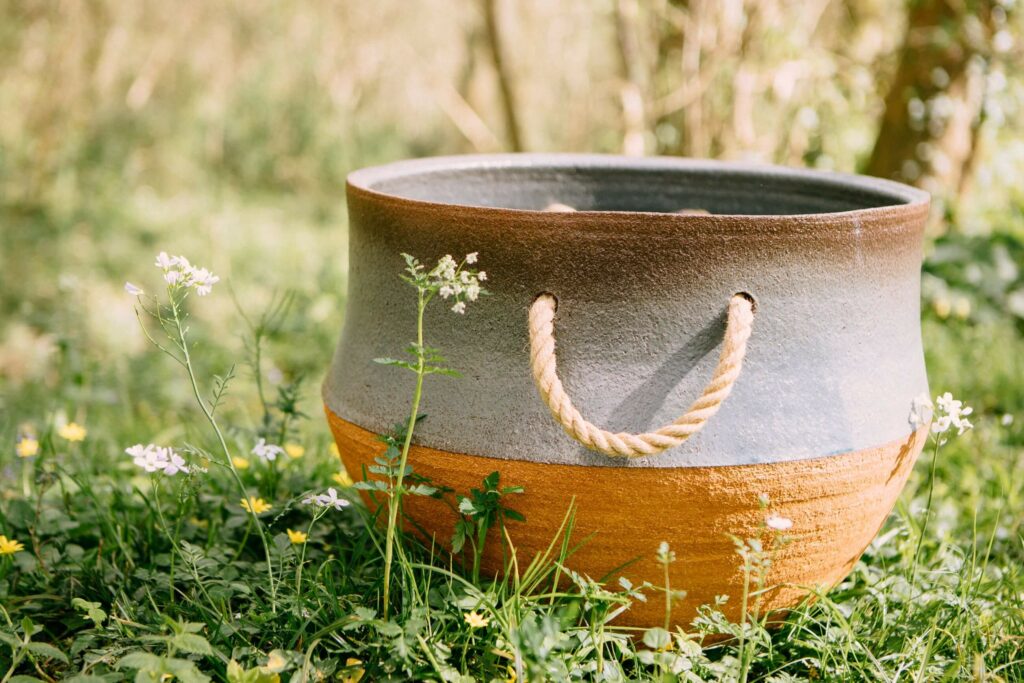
pixel 476 620
pixel 255 505
pixel 199 523
pixel 334 450
pixel 294 450
pixel 27 447
pixel 342 478
pixel 72 431
pixel 297 537
pixel 240 463
pixel 355 673
pixel 8 546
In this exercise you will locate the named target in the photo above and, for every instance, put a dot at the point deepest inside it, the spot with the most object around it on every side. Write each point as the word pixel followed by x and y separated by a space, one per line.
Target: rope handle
pixel 739 324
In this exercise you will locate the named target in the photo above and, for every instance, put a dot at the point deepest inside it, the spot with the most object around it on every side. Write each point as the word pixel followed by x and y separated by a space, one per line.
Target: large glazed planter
pixel 809 400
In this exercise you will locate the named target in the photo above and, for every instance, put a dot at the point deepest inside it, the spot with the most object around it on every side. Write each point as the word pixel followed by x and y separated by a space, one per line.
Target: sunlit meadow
pixel 171 506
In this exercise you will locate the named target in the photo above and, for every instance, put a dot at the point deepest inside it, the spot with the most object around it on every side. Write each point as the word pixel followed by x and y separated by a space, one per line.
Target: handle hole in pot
pixel 749 297
pixel 540 294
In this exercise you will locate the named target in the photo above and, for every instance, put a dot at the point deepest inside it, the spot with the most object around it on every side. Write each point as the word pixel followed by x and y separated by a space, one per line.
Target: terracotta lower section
pixel 837 504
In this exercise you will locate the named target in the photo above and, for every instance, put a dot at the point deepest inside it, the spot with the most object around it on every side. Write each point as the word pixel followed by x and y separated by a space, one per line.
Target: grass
pixel 130 574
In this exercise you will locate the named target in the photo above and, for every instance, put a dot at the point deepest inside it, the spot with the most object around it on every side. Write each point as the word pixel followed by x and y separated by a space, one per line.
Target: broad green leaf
pixel 47 650
pixel 93 610
pixel 514 515
pixel 657 638
pixel 186 671
pixel 192 643
pixel 143 661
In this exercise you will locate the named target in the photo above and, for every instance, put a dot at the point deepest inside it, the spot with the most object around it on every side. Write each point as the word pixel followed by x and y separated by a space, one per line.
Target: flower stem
pixel 927 514
pixel 668 599
pixel 302 556
pixel 176 548
pixel 182 339
pixel 167 532
pixel 744 617
pixel 396 494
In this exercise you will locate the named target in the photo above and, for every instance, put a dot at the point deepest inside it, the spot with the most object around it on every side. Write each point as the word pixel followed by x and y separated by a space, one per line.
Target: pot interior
pixel 608 183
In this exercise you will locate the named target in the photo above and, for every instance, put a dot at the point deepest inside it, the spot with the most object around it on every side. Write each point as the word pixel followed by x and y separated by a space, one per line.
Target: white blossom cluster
pixel 179 272
pixel 153 458
pixel 327 500
pixel 266 451
pixel 952 414
pixel 949 414
pixel 452 281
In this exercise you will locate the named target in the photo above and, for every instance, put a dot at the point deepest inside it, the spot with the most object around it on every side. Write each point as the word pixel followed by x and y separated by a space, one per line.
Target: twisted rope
pixel 545 375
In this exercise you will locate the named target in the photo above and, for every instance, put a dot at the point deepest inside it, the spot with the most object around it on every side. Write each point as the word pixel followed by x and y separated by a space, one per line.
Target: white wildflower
pixel 142 455
pixel 153 458
pixel 952 414
pixel 266 451
pixel 132 289
pixel 665 554
pixel 202 280
pixel 178 272
pixel 921 411
pixel 1006 420
pixel 450 280
pixel 445 268
pixel 326 500
pixel 175 463
pixel 778 523
pixel 166 262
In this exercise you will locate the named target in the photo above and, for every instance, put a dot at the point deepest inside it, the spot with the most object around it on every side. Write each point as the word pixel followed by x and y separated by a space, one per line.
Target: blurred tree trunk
pixel 505 86
pixel 933 106
pixel 631 92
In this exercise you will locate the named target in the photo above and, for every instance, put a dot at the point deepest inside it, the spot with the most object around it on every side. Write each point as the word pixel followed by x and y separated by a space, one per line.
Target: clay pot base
pixel 837 504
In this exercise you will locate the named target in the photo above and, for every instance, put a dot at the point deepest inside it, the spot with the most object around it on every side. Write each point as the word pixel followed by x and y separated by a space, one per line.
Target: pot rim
pixel 903 200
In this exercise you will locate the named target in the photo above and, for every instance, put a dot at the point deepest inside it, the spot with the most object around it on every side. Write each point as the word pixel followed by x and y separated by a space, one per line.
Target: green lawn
pixel 128 574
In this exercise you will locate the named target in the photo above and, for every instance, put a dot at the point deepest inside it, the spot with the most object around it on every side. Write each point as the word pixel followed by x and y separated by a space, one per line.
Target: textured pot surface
pixel 833 262
pixel 837 504
pixel 817 418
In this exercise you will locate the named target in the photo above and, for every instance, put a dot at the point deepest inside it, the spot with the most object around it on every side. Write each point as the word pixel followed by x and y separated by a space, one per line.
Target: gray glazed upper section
pixel 832 260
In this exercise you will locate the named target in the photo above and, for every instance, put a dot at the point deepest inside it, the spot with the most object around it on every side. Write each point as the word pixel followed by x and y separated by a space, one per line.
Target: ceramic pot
pixel 816 419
